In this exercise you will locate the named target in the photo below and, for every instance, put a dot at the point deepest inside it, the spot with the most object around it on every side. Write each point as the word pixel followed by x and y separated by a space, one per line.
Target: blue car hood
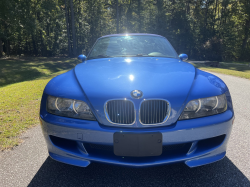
pixel 114 78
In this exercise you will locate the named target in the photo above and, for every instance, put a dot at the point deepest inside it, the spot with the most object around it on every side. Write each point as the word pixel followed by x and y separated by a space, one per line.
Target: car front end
pixel 136 111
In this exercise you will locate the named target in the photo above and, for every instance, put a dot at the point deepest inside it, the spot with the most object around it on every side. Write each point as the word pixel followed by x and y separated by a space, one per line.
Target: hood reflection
pixel 131 77
pixel 128 60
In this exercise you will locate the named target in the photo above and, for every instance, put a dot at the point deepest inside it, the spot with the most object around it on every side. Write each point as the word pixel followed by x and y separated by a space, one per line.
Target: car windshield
pixel 132 45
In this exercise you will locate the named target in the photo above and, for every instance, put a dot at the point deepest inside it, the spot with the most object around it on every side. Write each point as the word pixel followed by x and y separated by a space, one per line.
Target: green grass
pixel 13 70
pixel 21 86
pixel 237 62
pixel 242 71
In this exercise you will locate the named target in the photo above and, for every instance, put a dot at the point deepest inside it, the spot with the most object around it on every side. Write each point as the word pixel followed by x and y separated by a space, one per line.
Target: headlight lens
pixel 69 108
pixel 204 107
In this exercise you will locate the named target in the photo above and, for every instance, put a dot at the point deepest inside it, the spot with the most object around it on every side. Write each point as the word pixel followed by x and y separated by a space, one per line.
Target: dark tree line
pixel 204 29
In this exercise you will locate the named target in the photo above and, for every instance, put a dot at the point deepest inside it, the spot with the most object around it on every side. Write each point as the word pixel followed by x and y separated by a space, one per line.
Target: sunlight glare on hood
pixel 128 60
pixel 131 77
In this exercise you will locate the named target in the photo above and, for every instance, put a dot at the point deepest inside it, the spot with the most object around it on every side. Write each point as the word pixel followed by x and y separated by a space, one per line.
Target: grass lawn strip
pixel 19 105
pixel 233 69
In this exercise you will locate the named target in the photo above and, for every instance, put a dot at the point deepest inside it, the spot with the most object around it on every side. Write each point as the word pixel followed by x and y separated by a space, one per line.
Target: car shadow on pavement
pixel 222 173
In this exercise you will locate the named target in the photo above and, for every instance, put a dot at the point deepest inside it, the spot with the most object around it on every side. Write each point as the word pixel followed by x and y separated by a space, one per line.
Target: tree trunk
pixel 67 25
pixel 215 11
pixel 73 28
pixel 139 14
pixel 159 18
pixel 79 36
pixel 205 21
pixel 246 35
pixel 34 45
pixel 187 7
pixel 26 48
pixel 1 48
pixel 29 48
pixel 43 50
pixel 117 17
pixel 19 50
pixel 128 15
pixel 8 47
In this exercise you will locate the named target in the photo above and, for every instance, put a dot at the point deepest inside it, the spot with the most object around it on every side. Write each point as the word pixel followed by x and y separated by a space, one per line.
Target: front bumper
pixel 196 142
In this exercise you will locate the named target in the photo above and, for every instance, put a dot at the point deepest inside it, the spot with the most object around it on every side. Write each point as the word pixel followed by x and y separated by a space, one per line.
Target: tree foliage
pixel 204 29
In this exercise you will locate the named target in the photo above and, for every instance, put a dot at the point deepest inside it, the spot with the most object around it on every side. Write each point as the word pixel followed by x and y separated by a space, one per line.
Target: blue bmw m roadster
pixel 133 101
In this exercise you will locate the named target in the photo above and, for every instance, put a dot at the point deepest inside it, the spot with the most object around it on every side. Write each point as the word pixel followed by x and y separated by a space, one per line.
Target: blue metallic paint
pixel 82 58
pixel 164 78
pixel 98 80
pixel 183 57
pixel 94 133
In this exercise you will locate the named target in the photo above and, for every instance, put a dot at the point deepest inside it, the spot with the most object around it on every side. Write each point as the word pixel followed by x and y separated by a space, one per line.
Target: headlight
pixel 69 108
pixel 204 107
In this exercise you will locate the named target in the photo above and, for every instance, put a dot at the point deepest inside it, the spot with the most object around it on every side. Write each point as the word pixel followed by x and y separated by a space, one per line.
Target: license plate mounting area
pixel 137 144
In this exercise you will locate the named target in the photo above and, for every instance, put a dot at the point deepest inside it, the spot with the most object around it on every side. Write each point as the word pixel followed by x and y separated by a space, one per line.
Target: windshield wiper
pixel 142 55
pixel 129 55
pixel 100 56
pixel 146 55
pixel 137 55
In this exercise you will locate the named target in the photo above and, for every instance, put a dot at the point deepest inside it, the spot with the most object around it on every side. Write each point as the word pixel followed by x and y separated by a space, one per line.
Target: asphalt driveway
pixel 29 164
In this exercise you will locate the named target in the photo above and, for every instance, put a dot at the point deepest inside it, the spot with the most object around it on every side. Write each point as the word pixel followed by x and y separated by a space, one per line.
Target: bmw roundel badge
pixel 137 94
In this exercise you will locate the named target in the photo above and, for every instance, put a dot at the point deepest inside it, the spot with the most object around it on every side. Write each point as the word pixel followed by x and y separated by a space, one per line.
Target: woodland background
pixel 203 29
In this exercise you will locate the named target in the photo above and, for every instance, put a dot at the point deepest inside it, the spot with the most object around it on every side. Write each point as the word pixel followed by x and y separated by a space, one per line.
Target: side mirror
pixel 183 57
pixel 82 58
